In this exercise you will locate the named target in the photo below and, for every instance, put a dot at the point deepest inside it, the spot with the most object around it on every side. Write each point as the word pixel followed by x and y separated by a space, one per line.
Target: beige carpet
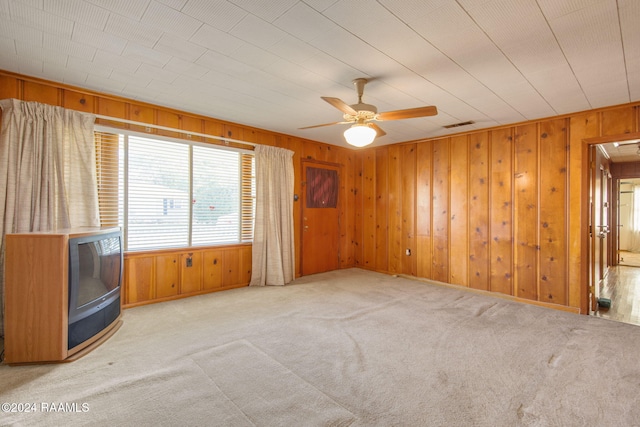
pixel 346 348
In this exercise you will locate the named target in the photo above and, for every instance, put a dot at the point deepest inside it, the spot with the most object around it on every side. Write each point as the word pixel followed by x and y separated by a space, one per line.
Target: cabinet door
pixel 138 279
pixel 166 275
pixel 212 270
pixel 190 272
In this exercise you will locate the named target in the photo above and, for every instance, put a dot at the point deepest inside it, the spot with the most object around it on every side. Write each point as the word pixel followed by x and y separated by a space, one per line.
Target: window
pixel 168 193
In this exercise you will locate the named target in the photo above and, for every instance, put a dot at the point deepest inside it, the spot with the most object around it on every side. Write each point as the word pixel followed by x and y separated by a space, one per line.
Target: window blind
pixel 166 193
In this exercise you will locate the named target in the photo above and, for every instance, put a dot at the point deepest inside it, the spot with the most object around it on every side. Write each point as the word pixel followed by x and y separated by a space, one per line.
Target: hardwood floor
pixel 622 287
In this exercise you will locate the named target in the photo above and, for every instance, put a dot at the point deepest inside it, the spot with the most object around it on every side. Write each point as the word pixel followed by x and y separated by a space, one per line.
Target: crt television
pixel 95 278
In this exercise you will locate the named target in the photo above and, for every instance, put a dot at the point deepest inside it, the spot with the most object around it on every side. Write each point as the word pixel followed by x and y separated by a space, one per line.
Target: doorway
pixel 320 248
pixel 628 226
pixel 614 267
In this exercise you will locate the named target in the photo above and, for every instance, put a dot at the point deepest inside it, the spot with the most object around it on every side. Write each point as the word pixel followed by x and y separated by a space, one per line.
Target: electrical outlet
pixel 408 252
pixel 189 262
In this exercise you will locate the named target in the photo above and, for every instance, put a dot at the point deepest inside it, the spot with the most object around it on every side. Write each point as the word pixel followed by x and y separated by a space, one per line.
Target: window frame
pixel 106 139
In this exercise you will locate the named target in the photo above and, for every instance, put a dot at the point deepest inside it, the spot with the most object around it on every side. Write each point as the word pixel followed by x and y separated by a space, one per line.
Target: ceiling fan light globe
pixel 359 135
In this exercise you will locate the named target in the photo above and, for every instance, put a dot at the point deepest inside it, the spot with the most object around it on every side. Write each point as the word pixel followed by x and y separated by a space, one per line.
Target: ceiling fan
pixel 363 131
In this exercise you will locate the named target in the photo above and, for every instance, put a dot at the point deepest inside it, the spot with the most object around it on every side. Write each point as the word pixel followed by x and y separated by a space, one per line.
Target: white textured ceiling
pixel 266 63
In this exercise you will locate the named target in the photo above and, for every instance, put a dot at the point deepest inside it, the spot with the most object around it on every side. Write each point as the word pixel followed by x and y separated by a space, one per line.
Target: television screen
pixel 98 269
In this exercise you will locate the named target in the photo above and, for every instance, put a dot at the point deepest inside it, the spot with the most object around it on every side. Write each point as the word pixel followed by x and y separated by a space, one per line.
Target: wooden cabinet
pixel 168 274
pixel 39 279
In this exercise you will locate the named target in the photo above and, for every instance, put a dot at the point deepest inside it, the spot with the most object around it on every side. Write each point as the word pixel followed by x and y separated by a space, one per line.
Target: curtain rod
pixel 149 125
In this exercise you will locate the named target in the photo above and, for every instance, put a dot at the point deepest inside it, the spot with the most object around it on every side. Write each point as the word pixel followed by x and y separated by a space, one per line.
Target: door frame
pixel 340 206
pixel 585 240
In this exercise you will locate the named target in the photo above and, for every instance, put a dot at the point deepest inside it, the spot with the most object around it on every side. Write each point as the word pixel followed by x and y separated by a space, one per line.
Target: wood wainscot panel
pixel 479 211
pixel 440 216
pixel 139 283
pixel 500 211
pixel 382 209
pixel 526 211
pixel 423 209
pixel 460 219
pixel 553 212
pixel 369 213
pixel 408 181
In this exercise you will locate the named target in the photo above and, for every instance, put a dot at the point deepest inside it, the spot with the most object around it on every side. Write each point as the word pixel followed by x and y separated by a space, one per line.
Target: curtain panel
pixel 48 178
pixel 273 252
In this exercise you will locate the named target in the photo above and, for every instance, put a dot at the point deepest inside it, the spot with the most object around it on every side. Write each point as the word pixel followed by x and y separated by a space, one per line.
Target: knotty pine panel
pixel 382 209
pixel 78 101
pixel 440 216
pixel 500 212
pixel 479 211
pixel 618 121
pixel 143 114
pixel 112 108
pixel 526 211
pixel 460 220
pixel 46 94
pixel 408 180
pixel 396 193
pixel 553 212
pixel 348 209
pixel 369 229
pixel 192 124
pixel 424 166
pixel 10 87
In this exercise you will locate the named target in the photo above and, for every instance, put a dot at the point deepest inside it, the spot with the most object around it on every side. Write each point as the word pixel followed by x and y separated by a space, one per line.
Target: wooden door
pixel 320 217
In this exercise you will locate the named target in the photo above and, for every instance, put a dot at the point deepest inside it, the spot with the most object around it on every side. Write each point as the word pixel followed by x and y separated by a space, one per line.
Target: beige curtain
pixel 273 254
pixel 48 171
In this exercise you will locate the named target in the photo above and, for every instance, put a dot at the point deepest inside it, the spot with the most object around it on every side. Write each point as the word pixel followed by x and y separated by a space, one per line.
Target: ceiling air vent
pixel 457 125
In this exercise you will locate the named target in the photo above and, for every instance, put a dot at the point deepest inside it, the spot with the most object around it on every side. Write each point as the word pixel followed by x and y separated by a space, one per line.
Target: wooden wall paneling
pixel 190 272
pixel 245 264
pixel 78 101
pixel 212 269
pixel 141 113
pixel 232 272
pixel 460 221
pixel 501 211
pixel 526 211
pixel 581 126
pixel 553 212
pixel 440 216
pixel 382 209
pixel 423 209
pixel 167 275
pixel 233 131
pixel 618 121
pixel 396 192
pixel 344 209
pixel 10 87
pixel 479 253
pixel 192 124
pixel 139 283
pixel 112 108
pixel 215 128
pixel 168 119
pixel 369 229
pixel 408 181
pixel 348 241
pixel 38 92
pixel 358 214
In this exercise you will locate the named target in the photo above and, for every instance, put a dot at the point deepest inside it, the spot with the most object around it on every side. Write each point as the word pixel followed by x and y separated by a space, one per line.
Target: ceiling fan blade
pixel 408 114
pixel 340 105
pixel 378 129
pixel 324 124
